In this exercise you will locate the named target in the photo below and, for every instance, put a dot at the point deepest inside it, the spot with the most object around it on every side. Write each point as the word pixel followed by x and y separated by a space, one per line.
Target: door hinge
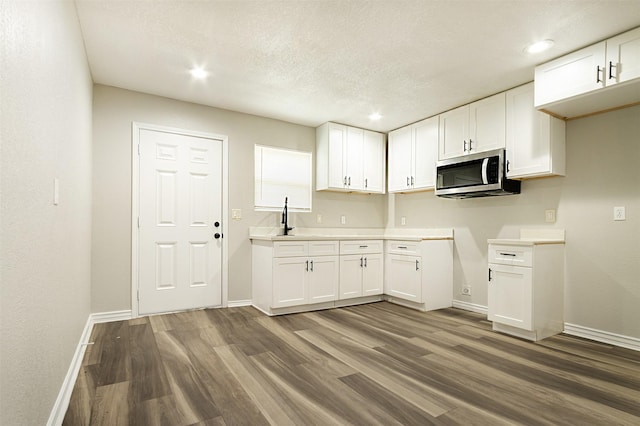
pixel 138 295
pixel 138 221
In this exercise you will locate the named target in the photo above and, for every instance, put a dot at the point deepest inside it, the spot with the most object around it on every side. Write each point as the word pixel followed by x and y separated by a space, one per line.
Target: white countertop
pixel 320 234
pixel 531 237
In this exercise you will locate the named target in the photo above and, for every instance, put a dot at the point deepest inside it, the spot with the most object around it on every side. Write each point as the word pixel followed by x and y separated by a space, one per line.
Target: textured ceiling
pixel 309 62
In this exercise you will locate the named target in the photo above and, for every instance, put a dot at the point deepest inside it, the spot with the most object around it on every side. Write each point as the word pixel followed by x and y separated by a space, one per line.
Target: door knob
pixel 217 235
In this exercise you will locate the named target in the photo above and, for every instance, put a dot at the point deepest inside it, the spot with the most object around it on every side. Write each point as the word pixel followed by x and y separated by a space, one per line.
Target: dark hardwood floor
pixel 363 365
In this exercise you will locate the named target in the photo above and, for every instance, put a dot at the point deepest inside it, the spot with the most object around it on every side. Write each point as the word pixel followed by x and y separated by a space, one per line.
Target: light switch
pixel 343 220
pixel 236 214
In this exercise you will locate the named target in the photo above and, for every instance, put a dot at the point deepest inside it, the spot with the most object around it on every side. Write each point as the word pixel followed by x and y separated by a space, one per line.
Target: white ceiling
pixel 309 62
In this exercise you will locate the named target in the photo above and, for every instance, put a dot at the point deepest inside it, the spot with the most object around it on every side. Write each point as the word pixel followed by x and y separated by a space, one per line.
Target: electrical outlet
pixel 318 218
pixel 403 221
pixel 343 220
pixel 550 216
pixel 466 290
pixel 236 214
pixel 619 213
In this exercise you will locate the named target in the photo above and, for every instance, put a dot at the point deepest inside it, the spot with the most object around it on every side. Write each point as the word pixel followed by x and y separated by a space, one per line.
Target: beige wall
pixel 602 256
pixel 45 122
pixel 115 110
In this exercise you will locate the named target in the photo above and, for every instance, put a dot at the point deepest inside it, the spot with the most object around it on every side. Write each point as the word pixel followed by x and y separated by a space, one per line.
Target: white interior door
pixel 180 215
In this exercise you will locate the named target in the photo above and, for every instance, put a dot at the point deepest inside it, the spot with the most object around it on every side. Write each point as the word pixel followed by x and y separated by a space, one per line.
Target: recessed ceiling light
pixel 199 73
pixel 539 46
pixel 375 116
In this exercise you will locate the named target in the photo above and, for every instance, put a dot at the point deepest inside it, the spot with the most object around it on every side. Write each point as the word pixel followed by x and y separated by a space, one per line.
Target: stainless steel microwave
pixel 475 175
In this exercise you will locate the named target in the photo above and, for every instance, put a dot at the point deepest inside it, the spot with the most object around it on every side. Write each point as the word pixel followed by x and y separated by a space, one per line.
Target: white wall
pixel 114 111
pixel 45 132
pixel 602 256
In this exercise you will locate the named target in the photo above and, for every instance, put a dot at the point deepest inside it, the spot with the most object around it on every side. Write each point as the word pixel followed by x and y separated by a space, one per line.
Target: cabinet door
pixel 400 159
pixel 405 277
pixel 337 154
pixel 571 75
pixel 454 132
pixel 322 279
pixel 511 296
pixel 351 276
pixel 353 159
pixel 372 275
pixel 487 124
pixel 623 58
pixel 373 156
pixel 289 281
pixel 425 153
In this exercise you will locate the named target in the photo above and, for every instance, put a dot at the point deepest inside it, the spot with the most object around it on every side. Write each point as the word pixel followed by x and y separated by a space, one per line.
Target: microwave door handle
pixel 485 163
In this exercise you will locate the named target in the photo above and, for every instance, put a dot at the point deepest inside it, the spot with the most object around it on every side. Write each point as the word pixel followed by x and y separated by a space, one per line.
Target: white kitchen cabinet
pixel 349 159
pixel 294 273
pixel 526 288
pixel 535 140
pixel 373 164
pixel 476 127
pixel 413 152
pixel 419 274
pixel 361 268
pixel 300 280
pixel 596 78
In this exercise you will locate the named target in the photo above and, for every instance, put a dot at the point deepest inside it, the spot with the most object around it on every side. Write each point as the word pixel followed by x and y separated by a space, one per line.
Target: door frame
pixel 136 127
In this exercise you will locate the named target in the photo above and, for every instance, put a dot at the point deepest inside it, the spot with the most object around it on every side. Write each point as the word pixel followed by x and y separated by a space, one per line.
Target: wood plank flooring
pixel 375 364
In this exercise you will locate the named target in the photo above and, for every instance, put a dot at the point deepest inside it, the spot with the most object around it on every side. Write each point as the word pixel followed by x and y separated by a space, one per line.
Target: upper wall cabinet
pixel 535 140
pixel 349 159
pixel 597 78
pixel 413 152
pixel 472 128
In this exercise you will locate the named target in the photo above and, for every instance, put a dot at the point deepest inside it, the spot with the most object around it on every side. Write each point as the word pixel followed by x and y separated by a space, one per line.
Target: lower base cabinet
pixel 361 275
pixel 304 280
pixel 526 289
pixel 420 274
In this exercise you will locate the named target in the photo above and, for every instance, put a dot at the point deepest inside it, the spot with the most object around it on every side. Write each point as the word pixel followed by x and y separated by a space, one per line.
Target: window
pixel 281 173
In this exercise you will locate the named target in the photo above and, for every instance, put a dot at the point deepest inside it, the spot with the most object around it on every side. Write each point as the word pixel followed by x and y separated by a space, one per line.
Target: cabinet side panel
pixel 437 274
pixel 558 156
pixel 548 289
pixel 322 157
pixel 262 273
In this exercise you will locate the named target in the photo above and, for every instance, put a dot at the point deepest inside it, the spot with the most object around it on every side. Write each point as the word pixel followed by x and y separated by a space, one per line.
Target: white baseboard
pixel 64 396
pixel 238 303
pixel 481 309
pixel 602 336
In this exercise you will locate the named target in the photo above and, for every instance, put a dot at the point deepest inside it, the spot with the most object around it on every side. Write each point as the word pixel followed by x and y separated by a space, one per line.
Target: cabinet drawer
pixel 290 248
pixel 323 248
pixel 511 255
pixel 361 247
pixel 403 247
